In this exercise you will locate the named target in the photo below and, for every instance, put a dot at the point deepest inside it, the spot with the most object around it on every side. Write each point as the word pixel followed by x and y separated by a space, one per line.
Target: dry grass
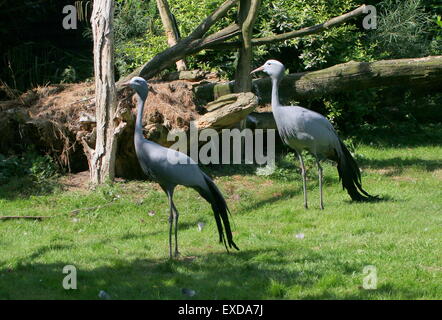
pixel 171 104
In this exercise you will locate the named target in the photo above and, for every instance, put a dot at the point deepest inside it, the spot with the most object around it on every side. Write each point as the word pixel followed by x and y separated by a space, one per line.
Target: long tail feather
pixel 350 175
pixel 220 211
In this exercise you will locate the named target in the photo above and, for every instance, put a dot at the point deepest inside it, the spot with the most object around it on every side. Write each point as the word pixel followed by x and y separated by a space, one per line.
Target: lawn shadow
pixel 281 195
pixel 212 276
pixel 25 187
pixel 402 136
pixel 377 198
pixel 248 274
pixel 395 166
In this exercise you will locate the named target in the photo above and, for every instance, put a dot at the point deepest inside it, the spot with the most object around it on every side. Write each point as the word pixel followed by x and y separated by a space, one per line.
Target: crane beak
pixel 257 69
pixel 125 84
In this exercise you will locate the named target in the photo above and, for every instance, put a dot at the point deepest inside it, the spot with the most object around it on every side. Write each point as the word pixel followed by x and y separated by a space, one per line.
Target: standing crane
pixel 170 168
pixel 303 129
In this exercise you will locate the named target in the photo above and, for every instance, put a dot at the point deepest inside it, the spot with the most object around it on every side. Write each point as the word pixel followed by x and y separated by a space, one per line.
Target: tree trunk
pixel 346 77
pixel 248 10
pixel 101 157
pixel 171 29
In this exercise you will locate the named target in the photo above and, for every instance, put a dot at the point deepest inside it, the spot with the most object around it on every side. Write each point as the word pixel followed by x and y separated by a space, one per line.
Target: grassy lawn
pixel 122 249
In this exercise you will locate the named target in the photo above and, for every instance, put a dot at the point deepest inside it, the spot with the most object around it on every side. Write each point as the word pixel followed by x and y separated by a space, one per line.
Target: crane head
pixel 273 68
pixel 139 85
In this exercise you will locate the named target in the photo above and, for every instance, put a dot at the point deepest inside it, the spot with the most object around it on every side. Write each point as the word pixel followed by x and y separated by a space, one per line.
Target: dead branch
pixel 24 217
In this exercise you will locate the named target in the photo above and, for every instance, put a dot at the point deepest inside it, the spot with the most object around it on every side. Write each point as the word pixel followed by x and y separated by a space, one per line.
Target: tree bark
pixel 101 157
pixel 248 10
pixel 171 30
pixel 346 77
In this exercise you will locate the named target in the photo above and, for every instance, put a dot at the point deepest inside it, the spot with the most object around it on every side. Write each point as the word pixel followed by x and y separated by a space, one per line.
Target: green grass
pixel 122 250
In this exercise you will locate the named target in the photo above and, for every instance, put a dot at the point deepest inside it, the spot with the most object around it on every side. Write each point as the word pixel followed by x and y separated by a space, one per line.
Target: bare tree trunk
pixel 171 29
pixel 101 158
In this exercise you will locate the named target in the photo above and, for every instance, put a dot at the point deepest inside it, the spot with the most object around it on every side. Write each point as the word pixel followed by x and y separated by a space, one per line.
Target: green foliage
pixel 403 29
pixel 138 35
pixel 69 75
pixel 30 64
pixel 287 166
pixel 36 167
pixel 42 168
pixel 436 43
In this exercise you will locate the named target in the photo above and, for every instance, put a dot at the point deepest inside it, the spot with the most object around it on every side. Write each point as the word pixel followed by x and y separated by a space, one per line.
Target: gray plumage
pixel 303 129
pixel 170 168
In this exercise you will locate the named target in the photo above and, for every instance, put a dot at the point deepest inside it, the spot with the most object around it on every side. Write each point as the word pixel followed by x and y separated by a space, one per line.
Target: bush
pixel 403 29
pixel 39 168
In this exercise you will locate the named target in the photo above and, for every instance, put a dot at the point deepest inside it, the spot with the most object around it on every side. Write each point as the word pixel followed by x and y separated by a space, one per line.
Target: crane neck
pixel 275 93
pixel 139 119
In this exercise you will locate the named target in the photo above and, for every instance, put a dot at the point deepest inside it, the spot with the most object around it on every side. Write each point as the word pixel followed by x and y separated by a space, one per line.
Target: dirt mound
pixel 171 104
pixel 49 117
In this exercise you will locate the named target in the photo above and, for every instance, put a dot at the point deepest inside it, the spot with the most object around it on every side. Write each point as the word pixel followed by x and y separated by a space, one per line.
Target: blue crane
pixel 303 129
pixel 170 168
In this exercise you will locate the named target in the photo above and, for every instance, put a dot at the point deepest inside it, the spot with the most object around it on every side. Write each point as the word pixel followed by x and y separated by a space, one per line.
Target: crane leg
pixel 321 200
pixel 176 215
pixel 304 179
pixel 170 195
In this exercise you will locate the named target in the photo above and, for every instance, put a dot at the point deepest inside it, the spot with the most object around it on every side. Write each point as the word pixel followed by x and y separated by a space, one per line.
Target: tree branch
pixel 195 41
pixel 219 13
pixel 24 217
pixel 219 36
pixel 186 46
pixel 334 22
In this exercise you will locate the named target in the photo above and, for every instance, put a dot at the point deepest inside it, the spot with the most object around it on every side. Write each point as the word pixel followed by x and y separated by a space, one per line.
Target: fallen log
pixel 346 77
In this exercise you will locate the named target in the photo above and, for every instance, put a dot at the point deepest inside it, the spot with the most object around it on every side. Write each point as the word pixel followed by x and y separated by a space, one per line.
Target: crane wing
pixel 301 129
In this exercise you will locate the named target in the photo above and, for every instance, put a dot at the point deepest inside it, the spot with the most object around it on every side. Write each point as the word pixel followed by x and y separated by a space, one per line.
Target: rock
pixel 227 111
